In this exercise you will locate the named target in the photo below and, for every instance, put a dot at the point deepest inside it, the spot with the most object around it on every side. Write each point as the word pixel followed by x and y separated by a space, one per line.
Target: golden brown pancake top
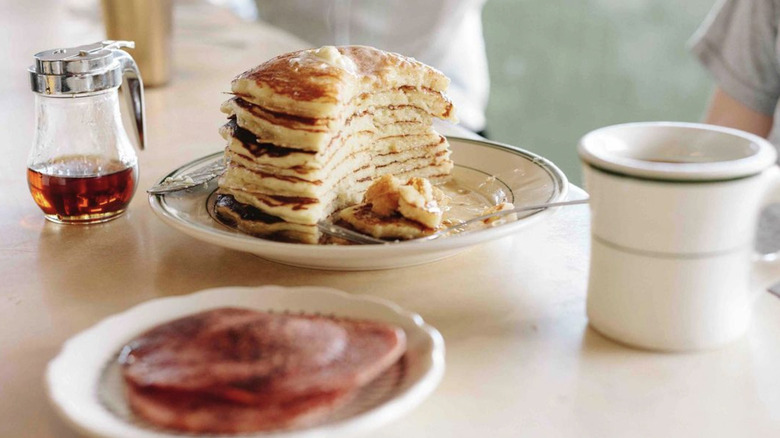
pixel 305 76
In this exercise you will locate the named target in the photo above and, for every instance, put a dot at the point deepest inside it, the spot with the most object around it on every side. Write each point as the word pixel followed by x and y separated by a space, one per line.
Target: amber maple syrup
pixel 82 188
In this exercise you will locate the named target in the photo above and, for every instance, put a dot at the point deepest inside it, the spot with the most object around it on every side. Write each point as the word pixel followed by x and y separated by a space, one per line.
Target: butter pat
pixel 331 55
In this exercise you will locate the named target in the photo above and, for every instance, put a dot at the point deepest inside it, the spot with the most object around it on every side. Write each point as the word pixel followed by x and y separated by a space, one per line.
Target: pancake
pixel 309 131
pixel 396 209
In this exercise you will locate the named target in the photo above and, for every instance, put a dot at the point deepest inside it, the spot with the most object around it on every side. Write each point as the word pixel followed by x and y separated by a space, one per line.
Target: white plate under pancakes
pixel 495 171
pixel 85 387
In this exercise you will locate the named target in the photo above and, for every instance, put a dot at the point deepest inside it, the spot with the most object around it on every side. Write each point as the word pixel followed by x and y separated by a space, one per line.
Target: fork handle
pixel 508 212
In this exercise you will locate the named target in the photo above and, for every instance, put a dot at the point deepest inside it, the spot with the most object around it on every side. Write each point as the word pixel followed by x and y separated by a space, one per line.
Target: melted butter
pixel 464 203
pixel 329 56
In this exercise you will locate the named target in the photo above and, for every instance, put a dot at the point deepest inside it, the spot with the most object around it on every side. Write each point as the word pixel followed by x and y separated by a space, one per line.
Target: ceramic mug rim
pixel 761 154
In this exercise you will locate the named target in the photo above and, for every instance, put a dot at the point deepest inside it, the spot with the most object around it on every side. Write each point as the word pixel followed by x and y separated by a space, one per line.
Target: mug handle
pixel 766 267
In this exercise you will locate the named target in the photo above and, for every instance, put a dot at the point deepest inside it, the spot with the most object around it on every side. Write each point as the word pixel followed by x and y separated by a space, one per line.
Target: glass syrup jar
pixel 83 168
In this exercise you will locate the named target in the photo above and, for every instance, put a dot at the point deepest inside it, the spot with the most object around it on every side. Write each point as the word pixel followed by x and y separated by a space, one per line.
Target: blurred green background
pixel 560 68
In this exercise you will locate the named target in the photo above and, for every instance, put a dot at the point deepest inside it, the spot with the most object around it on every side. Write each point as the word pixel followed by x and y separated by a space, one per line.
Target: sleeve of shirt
pixel 738 44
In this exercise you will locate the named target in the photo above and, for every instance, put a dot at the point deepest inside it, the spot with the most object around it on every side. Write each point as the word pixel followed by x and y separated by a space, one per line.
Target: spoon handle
pixel 190 179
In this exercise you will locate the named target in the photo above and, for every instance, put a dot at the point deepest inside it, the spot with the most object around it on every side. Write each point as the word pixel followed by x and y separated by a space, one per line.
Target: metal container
pixel 82 167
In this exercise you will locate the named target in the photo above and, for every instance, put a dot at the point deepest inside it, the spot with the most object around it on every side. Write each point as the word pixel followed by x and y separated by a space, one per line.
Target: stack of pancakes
pixel 309 131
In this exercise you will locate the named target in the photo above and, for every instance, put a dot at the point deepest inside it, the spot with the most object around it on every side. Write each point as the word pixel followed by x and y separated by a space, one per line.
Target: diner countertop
pixel 520 358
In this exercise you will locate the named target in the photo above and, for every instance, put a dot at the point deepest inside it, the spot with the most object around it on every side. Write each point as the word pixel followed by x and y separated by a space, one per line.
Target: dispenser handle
pixel 134 91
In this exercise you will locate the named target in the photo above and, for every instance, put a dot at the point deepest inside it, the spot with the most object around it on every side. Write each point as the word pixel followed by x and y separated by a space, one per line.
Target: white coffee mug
pixel 674 210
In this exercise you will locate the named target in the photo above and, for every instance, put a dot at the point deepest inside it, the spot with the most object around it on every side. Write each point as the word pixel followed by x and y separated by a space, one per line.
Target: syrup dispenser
pixel 83 168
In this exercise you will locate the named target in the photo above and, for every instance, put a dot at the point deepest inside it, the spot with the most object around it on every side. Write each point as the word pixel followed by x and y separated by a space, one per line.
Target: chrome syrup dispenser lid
pixel 88 69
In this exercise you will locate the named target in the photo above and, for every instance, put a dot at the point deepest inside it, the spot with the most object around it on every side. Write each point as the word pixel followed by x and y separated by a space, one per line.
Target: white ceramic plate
pixel 495 171
pixel 85 387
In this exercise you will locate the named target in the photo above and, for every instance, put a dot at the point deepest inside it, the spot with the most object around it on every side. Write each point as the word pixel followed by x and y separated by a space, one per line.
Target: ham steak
pixel 232 370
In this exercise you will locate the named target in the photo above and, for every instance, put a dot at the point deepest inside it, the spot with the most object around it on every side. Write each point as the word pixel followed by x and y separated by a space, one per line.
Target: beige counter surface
pixel 520 358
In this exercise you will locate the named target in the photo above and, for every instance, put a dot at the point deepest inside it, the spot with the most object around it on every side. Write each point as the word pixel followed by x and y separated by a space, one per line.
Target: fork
pixel 332 229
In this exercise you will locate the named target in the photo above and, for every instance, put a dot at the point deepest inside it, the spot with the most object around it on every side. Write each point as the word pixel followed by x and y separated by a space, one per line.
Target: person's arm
pixel 724 110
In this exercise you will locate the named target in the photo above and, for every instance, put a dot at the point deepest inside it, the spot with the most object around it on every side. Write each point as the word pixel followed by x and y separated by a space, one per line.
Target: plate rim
pixel 397 406
pixel 271 249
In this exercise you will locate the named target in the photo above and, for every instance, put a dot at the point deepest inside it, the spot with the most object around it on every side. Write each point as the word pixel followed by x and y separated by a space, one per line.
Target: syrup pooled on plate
pixel 82 188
